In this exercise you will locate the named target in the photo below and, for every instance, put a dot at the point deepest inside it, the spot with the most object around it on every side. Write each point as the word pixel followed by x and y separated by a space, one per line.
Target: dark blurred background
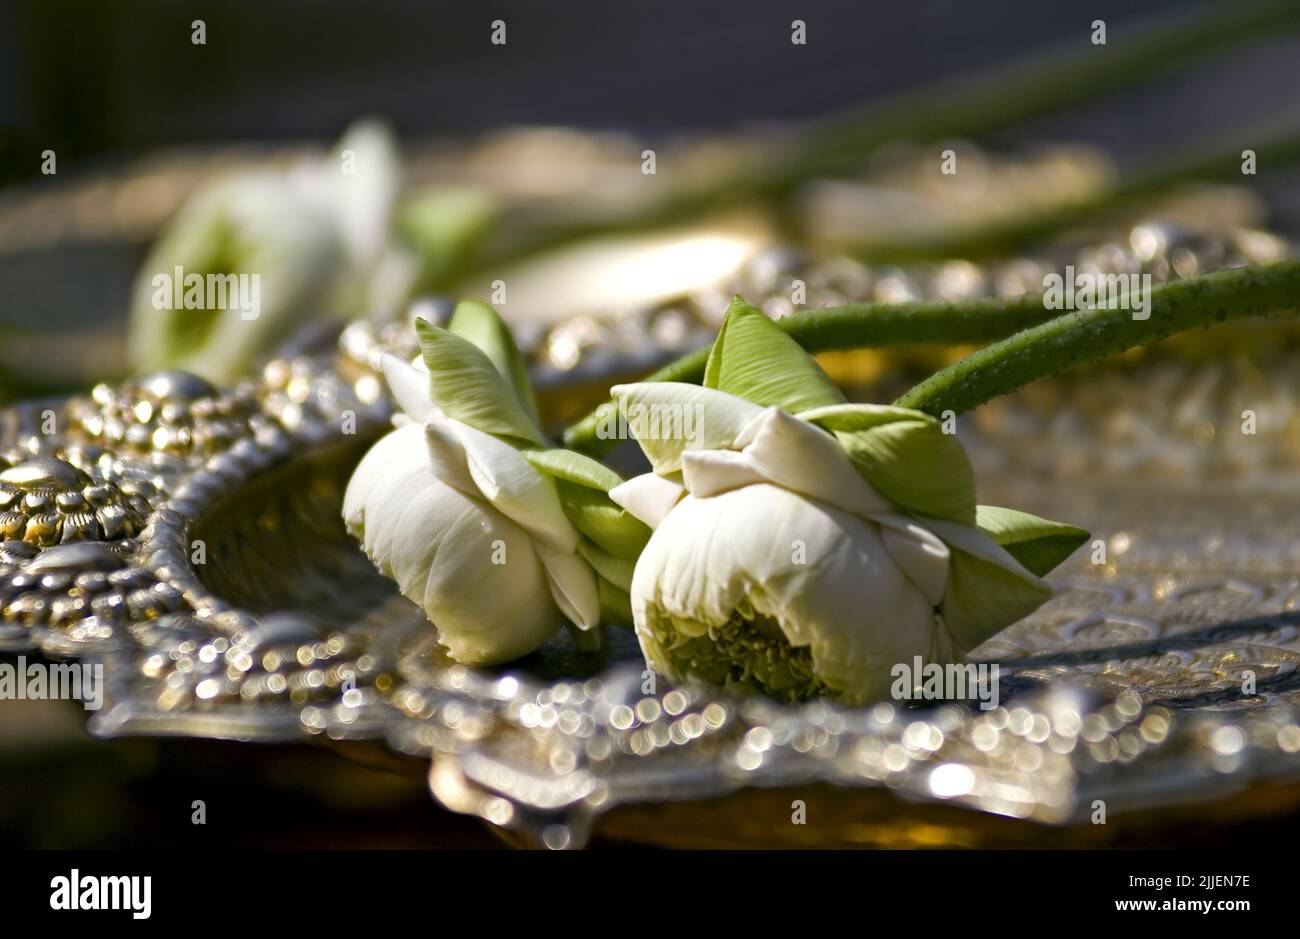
pixel 113 78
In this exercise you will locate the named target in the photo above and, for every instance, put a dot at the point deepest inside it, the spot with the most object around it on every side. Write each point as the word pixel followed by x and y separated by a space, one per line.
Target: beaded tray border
pixel 188 538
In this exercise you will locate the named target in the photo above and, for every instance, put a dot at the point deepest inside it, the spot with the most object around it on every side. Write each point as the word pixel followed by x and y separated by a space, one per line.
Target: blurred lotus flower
pixel 253 257
pixel 810 552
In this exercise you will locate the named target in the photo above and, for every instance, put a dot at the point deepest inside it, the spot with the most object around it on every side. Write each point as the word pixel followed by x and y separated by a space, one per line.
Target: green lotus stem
pixel 965 106
pixel 1084 336
pixel 1273 150
pixel 859 325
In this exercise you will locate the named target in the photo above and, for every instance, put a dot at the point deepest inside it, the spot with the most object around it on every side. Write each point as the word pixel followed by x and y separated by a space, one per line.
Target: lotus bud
pixel 500 539
pixel 805 546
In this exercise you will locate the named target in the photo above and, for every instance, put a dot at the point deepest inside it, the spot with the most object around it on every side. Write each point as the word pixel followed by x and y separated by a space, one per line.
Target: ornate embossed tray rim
pixel 548 758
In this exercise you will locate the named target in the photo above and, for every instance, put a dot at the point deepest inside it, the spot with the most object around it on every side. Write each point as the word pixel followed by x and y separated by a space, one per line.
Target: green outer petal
pixel 756 360
pixel 906 456
pixel 583 486
pixel 615 604
pixel 987 589
pixel 481 325
pixel 916 466
pixel 574 467
pixel 598 517
pixel 851 417
pixel 1037 543
pixel 467 386
pixel 613 584
pixel 618 571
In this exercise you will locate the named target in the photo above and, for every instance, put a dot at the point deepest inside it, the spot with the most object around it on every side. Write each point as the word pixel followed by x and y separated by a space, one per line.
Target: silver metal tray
pixel 1121 698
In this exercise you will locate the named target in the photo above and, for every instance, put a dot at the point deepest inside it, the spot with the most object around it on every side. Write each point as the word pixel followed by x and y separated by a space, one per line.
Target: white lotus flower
pixel 283 245
pixel 469 530
pixel 812 552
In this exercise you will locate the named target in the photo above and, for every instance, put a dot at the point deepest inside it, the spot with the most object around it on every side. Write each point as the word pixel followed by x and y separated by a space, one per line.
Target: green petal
pixel 618 571
pixel 613 584
pixel 467 386
pixel 1037 543
pixel 906 456
pixel 598 517
pixel 583 486
pixel 987 588
pixel 576 468
pixel 755 359
pixel 481 325
pixel 615 604
pixel 851 417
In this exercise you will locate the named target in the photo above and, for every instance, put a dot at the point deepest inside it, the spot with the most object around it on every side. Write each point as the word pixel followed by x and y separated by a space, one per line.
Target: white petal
pixel 973 541
pixel 473 571
pixel 918 552
pixel 511 484
pixel 823 573
pixel 405 443
pixel 364 199
pixel 484 587
pixel 710 472
pixel 795 454
pixel 447 457
pixel 573 586
pixel 394 512
pixel 648 497
pixel 675 417
pixel 410 387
